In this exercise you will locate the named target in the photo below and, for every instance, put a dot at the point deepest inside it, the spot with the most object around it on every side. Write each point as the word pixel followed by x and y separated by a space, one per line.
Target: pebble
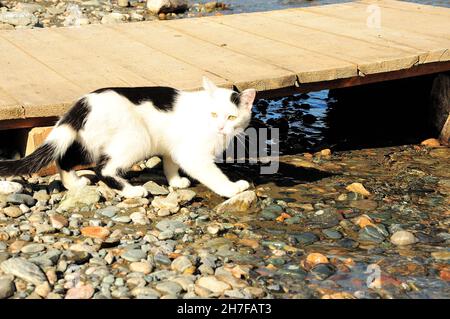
pixel 122 219
pixel 32 248
pixel 133 255
pixel 155 189
pixel 181 263
pixel 239 203
pixel 143 267
pixel 170 202
pixel 95 232
pixel 84 291
pixel 212 284
pixel 10 187
pixel 7 287
pixel 314 259
pixel 304 238
pixel 322 271
pixel 18 199
pixel 109 211
pixel 172 225
pixel 358 188
pixel 24 269
pixel 431 142
pixel 332 234
pixel 13 211
pixel 185 195
pixel 402 238
pixel 169 287
pixel 58 221
pixel 371 234
pixel 79 198
pixel 133 202
pixel 441 255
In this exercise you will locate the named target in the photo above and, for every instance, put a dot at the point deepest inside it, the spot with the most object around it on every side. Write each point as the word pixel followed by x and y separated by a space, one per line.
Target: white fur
pixel 188 137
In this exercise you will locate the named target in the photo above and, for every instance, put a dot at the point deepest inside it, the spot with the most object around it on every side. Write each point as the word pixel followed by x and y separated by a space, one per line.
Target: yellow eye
pixel 232 117
pixel 213 114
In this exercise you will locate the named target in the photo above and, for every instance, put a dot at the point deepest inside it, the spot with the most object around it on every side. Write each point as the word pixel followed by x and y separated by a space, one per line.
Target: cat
pixel 118 127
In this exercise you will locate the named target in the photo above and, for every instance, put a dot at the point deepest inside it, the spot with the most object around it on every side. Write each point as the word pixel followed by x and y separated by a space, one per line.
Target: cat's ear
pixel 247 97
pixel 208 85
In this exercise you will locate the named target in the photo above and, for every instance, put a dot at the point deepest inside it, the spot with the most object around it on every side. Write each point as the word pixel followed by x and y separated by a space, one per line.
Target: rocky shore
pixel 58 13
pixel 368 223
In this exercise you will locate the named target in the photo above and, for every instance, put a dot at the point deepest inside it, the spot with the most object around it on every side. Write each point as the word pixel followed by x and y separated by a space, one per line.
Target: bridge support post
pixel 440 107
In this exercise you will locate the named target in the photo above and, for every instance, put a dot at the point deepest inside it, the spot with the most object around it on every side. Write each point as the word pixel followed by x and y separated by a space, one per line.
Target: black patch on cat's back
pixel 76 116
pixel 162 97
pixel 235 98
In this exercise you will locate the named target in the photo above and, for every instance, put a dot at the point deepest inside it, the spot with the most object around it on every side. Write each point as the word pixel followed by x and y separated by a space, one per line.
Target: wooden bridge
pixel 296 50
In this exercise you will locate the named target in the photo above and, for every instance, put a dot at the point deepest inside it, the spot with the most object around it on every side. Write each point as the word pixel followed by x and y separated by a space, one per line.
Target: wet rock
pixel 402 238
pixel 239 203
pixel 155 189
pixel 78 198
pixel 441 255
pixel 322 271
pixel 7 287
pixel 358 188
pixel 24 269
pixel 304 239
pixel 348 243
pixel 324 218
pixel 271 212
pixel 10 187
pixel 314 259
pixel 371 234
pixel 332 234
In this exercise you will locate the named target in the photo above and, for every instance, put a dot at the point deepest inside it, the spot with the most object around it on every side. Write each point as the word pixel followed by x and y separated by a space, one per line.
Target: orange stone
pixel 363 221
pixel 445 274
pixel 282 217
pixel 95 232
pixel 358 188
pixel 316 258
pixel 431 142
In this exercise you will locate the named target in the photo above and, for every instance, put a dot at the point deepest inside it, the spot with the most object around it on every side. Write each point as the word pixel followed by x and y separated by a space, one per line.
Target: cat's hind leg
pixel 110 171
pixel 75 155
pixel 171 170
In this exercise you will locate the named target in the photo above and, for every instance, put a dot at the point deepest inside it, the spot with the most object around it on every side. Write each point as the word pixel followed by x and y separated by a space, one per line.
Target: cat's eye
pixel 232 117
pixel 213 114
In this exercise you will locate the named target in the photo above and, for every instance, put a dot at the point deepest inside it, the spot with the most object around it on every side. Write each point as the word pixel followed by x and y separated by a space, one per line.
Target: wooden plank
pixel 428 49
pixel 433 25
pixel 421 69
pixel 153 66
pixel 19 123
pixel 40 90
pixel 308 66
pixel 368 57
pixel 239 69
pixel 63 55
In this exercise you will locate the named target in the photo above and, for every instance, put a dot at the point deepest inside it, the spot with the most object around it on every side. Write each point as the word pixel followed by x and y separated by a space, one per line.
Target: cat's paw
pixel 134 192
pixel 180 182
pixel 233 188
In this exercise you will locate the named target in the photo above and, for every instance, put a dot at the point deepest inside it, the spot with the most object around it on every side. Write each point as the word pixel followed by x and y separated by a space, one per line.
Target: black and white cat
pixel 117 127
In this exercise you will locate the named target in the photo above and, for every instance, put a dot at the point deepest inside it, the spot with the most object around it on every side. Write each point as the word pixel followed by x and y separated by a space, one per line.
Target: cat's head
pixel 230 112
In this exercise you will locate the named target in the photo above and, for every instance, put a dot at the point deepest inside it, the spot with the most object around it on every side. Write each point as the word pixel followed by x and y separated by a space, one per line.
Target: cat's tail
pixel 56 144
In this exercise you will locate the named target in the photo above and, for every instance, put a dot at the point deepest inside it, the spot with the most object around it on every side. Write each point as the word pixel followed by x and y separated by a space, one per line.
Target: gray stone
pixel 122 219
pixel 18 199
pixel 24 269
pixel 133 255
pixel 109 211
pixel 32 248
pixel 172 225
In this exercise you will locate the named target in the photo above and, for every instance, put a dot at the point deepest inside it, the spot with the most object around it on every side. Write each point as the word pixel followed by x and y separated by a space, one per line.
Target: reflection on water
pixel 386 114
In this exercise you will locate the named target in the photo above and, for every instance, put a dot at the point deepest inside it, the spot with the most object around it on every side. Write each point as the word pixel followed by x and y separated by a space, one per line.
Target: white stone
pixel 10 187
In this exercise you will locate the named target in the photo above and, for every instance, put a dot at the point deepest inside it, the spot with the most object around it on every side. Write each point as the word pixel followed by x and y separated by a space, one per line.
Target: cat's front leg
pixel 173 177
pixel 207 173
